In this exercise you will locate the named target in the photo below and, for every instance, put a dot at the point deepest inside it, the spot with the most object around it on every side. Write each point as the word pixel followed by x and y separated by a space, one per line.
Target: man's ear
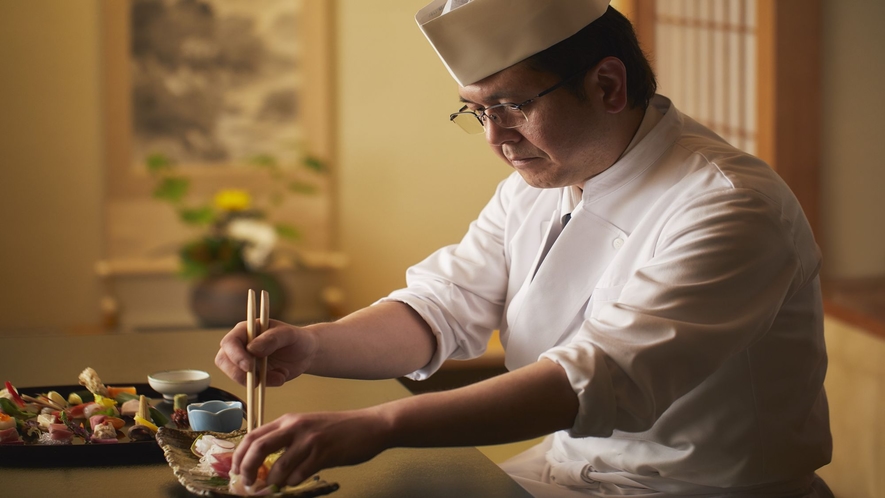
pixel 611 77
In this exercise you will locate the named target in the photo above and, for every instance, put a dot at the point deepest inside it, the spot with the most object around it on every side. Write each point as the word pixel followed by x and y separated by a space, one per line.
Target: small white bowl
pixel 172 382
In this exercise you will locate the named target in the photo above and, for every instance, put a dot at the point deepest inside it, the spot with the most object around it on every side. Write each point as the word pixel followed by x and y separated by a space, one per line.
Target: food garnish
pixel 179 413
pixel 13 394
pixel 6 422
pixel 114 392
pixel 141 418
pixel 10 408
pixel 89 378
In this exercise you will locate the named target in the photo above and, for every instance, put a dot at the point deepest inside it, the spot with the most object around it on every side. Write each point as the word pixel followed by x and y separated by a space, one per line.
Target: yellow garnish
pixel 139 420
pixel 272 458
pixel 105 402
pixel 74 399
pixel 232 200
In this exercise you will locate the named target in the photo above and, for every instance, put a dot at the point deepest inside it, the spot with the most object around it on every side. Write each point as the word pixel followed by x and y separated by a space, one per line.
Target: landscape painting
pixel 216 82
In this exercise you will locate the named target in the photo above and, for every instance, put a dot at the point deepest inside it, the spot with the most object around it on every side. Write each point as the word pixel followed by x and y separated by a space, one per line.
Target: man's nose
pixel 497 135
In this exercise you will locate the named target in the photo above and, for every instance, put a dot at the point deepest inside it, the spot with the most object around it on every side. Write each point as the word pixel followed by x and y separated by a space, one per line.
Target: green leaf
pixel 264 161
pixel 193 271
pixel 172 188
pixel 158 418
pixel 212 256
pixel 302 188
pixel 86 396
pixel 287 232
pixel 10 409
pixel 314 163
pixel 158 163
pixel 203 215
pixel 124 397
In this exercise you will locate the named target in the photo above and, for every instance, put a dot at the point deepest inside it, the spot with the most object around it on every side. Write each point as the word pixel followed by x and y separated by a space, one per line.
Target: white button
pixel 617 243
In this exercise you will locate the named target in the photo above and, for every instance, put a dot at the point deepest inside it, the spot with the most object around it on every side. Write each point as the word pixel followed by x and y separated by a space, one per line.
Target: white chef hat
pixel 478 38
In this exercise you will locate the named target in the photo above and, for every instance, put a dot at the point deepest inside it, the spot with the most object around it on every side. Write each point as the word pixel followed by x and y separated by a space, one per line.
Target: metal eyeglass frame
pixel 479 114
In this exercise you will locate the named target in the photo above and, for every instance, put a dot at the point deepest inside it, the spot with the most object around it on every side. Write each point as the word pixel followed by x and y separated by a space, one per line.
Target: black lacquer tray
pixel 81 454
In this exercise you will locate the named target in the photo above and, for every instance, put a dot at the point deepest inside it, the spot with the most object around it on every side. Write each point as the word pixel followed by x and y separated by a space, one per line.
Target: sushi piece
pixel 60 433
pixel 10 436
pixel 104 432
pixel 6 422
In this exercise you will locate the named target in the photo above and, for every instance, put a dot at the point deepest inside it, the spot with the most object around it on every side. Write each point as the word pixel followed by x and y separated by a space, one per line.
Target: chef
pixel 656 290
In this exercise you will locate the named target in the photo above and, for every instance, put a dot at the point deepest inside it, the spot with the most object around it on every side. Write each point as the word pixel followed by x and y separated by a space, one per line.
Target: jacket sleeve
pixel 722 267
pixel 459 290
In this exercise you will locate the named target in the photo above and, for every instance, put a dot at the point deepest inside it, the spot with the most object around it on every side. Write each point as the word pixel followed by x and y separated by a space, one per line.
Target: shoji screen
pixel 748 69
pixel 705 57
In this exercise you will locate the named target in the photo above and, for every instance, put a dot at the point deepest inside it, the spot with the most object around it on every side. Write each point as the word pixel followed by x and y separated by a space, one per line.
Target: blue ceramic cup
pixel 216 416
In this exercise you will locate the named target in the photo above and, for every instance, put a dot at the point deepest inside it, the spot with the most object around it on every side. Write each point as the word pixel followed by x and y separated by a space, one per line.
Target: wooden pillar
pixel 789 96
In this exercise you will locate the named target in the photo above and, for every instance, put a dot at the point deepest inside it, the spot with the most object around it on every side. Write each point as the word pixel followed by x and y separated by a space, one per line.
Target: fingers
pixel 277 336
pixel 255 447
pixel 234 347
pixel 299 460
pixel 296 463
pixel 293 467
pixel 277 377
pixel 229 368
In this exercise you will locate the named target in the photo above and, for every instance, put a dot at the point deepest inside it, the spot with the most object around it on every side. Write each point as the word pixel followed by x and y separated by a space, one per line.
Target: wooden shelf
pixel 169 265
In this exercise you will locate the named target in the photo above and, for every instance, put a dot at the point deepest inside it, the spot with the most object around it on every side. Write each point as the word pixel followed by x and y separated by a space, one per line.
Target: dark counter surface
pixel 127 359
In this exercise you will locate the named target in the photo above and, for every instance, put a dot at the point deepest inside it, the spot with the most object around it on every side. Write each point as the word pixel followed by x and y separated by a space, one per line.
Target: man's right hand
pixel 289 351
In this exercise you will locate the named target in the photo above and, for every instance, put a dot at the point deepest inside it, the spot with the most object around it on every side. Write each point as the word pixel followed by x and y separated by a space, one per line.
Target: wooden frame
pixel 128 189
pixel 789 97
pixel 788 90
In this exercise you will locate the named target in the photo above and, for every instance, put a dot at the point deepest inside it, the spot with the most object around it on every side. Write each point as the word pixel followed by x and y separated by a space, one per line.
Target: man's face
pixel 566 141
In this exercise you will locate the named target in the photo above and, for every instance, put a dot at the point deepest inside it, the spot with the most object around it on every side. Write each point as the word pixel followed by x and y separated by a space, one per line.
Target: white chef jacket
pixel 682 299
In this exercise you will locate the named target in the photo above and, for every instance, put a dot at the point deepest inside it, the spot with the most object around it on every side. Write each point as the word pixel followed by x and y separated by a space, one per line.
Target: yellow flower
pixel 232 200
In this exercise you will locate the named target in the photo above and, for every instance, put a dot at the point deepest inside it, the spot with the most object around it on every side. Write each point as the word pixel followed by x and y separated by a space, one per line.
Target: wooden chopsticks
pixel 255 417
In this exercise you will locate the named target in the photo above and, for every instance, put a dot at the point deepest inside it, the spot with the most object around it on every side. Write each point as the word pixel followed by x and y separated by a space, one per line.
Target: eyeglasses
pixel 506 115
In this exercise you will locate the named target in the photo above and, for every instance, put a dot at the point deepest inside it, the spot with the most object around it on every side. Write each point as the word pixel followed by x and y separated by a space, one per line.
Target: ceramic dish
pixel 215 415
pixel 172 382
pixel 176 447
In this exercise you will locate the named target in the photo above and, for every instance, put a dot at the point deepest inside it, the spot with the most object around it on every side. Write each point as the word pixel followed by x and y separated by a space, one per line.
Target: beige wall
pixel 409 181
pixel 50 163
pixel 853 143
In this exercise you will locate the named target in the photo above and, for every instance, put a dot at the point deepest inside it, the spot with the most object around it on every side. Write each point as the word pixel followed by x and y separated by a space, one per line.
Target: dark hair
pixel 611 35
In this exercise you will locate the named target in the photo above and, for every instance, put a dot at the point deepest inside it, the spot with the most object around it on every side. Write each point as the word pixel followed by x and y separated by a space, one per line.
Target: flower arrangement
pixel 239 235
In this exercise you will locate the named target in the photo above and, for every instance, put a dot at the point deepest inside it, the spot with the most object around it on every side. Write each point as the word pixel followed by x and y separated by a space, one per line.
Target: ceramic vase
pixel 219 301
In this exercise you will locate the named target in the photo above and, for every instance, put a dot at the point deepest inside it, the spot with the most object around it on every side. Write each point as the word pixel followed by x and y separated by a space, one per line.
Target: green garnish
pixel 11 409
pixel 158 418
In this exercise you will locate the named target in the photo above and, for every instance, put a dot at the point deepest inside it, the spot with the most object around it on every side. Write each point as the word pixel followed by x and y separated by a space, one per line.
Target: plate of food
pixel 88 424
pixel 201 461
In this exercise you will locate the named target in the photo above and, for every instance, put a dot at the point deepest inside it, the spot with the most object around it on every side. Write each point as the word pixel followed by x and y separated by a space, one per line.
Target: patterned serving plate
pixel 176 445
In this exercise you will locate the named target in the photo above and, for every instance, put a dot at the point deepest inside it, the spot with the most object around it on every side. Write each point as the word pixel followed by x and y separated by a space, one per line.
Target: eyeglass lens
pixel 505 116
pixel 468 122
